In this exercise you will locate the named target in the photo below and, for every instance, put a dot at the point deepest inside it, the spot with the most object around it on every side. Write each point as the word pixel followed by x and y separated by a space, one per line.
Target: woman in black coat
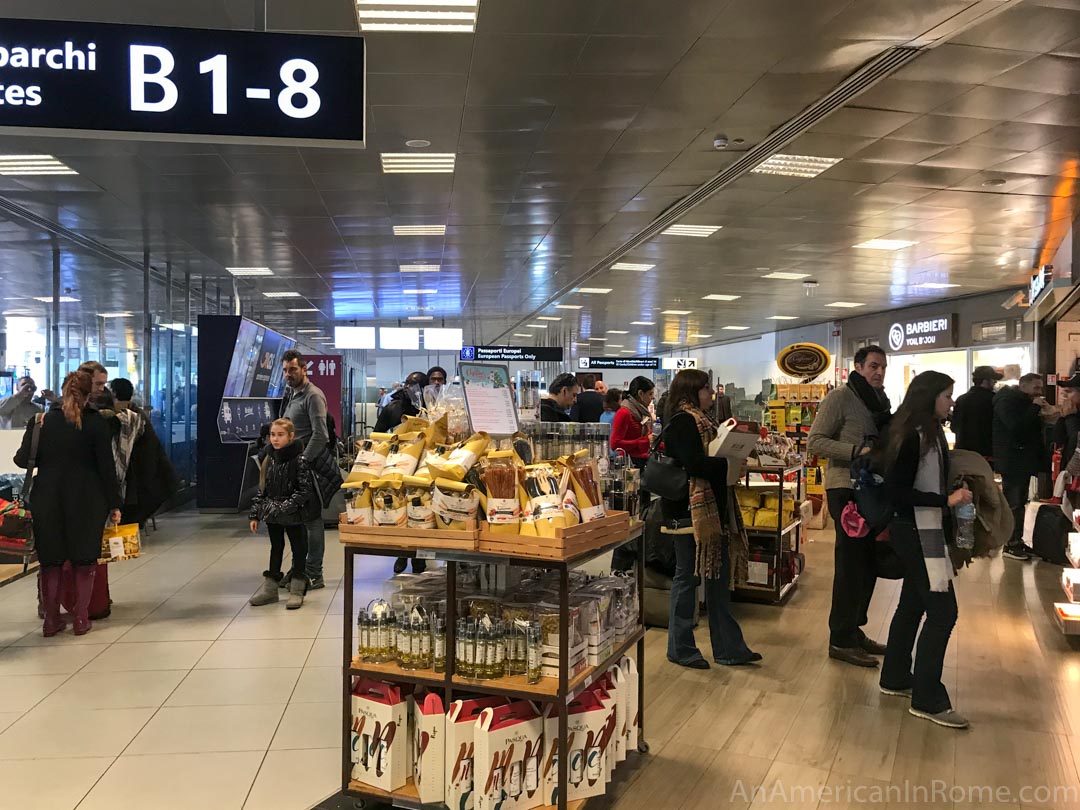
pixel 75 491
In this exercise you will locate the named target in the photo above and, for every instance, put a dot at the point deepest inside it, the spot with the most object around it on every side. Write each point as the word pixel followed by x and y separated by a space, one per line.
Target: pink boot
pixel 51 584
pixel 84 589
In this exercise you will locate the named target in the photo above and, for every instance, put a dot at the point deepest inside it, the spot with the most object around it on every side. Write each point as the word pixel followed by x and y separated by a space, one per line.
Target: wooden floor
pixel 808 732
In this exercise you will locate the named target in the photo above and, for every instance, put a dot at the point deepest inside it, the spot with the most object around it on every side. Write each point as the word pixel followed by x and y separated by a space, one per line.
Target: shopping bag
pixel 120 543
pixel 735 440
pixel 16 529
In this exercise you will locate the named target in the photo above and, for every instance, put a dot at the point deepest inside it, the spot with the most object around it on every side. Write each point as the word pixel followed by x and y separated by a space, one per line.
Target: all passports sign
pixel 131 81
pixel 923 334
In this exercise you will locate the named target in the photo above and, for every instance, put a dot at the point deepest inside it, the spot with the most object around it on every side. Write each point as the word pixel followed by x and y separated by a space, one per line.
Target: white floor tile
pixel 156 627
pixel 34 784
pixel 235 687
pixel 275 623
pixel 150 655
pixel 176 782
pixel 319 685
pixel 7 718
pixel 20 694
pixel 332 626
pixel 55 660
pixel 326 652
pixel 309 725
pixel 11 632
pixel 59 733
pixel 291 780
pixel 104 631
pixel 238 654
pixel 115 690
pixel 201 729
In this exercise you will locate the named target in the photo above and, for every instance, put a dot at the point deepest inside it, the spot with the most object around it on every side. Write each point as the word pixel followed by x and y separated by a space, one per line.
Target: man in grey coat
pixel 848 422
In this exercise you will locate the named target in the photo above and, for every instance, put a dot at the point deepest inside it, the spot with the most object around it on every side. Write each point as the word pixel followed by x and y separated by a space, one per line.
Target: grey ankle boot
pixel 268 591
pixel 297 587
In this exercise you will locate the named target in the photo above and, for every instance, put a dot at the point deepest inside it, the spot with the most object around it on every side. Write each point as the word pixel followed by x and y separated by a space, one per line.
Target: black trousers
pixel 297 541
pixel 854 578
pixel 1016 489
pixel 928 693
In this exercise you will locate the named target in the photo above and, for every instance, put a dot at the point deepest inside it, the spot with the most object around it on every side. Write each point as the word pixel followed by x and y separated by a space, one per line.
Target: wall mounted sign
pixel 804 360
pixel 678 363
pixel 509 354
pixel 652 363
pixel 1040 281
pixel 327 371
pixel 923 334
pixel 129 81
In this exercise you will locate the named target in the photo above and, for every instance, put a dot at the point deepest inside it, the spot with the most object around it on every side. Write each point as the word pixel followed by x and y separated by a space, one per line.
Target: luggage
pixel 1051 534
pixel 99 600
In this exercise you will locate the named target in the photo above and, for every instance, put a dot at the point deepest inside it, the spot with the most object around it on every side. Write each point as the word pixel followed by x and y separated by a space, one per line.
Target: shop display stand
pixel 1068 613
pixel 558 691
pixel 779 590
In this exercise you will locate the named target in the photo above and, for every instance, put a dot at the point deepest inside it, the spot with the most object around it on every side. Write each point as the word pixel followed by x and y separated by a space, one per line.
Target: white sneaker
pixel 906 693
pixel 947 718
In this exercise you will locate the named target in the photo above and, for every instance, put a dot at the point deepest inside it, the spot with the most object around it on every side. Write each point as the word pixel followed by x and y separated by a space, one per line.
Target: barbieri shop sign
pixel 923 334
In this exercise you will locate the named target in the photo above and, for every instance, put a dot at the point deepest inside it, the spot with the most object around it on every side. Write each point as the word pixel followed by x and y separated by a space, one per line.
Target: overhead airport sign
pixel 618 362
pixel 923 334
pixel 129 81
pixel 678 363
pixel 509 354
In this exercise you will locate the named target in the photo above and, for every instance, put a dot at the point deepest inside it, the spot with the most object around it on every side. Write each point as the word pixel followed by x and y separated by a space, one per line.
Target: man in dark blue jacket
pixel 1018 450
pixel 973 414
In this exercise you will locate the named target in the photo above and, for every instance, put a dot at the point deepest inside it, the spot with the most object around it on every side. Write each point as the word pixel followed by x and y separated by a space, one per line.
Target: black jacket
pixel 682 442
pixel 551 412
pixel 1018 434
pixel 399 407
pixel 287 497
pixel 588 408
pixel 1066 430
pixel 973 421
pixel 151 478
pixel 900 481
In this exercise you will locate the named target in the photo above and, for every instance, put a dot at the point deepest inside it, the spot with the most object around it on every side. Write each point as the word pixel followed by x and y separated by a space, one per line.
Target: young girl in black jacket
pixel 285 503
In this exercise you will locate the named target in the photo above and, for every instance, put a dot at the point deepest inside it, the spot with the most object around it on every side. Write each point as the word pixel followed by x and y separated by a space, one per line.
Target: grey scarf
pixel 639 412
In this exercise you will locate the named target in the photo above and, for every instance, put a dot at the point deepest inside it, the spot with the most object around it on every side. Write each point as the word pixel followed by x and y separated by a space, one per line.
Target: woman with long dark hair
pixel 706 527
pixel 75 491
pixel 631 429
pixel 915 457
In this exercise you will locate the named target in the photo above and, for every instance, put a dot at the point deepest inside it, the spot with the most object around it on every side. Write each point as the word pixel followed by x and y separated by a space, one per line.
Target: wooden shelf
pixel 408 797
pixel 390 671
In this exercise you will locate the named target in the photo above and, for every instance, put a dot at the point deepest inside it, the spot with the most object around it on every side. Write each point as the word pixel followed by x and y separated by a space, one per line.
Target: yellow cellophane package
pixel 456 505
pixel 502 508
pixel 388 503
pixel 454 461
pixel 403 455
pixel 419 514
pixel 370 458
pixel 358 503
pixel 543 486
pixel 435 433
pixel 584 483
pixel 120 543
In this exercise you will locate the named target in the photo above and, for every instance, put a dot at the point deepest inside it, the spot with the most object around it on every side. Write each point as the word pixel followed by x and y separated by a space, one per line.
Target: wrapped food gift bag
pixel 120 543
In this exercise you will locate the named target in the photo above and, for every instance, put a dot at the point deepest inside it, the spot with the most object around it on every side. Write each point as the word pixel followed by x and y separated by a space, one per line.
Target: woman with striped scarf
pixel 916 458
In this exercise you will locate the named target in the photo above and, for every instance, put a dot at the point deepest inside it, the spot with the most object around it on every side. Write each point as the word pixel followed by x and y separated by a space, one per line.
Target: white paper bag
pixel 460 749
pixel 379 736
pixel 509 744
pixel 735 441
pixel 429 748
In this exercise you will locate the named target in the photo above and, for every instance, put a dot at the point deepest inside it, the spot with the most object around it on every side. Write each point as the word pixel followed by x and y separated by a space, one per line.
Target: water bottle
pixel 965 525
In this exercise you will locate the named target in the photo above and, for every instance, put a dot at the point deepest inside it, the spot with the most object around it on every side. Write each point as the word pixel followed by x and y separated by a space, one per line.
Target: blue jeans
pixel 726 635
pixel 316 537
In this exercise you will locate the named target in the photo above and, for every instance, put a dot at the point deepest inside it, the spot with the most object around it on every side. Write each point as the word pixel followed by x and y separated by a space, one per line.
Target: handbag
pixel 663 475
pixel 16 521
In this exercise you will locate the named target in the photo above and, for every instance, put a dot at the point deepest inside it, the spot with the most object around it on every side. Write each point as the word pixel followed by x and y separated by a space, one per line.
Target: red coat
pixel 627 434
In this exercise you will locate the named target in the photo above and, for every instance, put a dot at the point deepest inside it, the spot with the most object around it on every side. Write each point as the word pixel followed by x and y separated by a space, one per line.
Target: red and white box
pixel 509 744
pixel 633 709
pixel 429 748
pixel 459 749
pixel 380 745
pixel 605 689
pixel 586 774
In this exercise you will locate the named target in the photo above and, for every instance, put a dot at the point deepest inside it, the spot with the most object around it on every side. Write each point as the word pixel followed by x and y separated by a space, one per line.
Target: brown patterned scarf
pixel 711 531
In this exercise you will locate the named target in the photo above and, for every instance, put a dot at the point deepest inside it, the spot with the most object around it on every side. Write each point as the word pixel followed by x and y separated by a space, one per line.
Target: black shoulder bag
pixel 663 475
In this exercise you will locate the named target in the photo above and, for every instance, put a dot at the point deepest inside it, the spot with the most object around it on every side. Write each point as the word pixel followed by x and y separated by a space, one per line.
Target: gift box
pixel 586 774
pixel 459 749
pixel 429 748
pixel 622 684
pixel 380 748
pixel 605 689
pixel 509 744
pixel 629 669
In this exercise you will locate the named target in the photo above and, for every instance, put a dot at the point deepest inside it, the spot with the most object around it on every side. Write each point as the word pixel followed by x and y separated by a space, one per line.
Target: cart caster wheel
pixel 643 747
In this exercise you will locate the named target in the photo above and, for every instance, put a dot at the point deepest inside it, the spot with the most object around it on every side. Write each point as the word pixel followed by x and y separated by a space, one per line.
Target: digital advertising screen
pixel 255 370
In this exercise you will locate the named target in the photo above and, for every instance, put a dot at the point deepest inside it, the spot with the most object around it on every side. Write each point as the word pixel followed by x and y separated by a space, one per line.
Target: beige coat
pixel 993 518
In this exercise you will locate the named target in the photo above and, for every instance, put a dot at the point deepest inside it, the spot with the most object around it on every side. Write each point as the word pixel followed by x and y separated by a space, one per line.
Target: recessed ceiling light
pixel 308 331
pixel 522 334
pixel 643 323
pixel 615 345
pixel 421 317
pixel 418 143
pixel 795 165
pixel 844 305
pixel 676 312
pixel 617 332
pixel 249 271
pixel 735 328
pixel 401 15
pixel 282 294
pixel 419 292
pixel 700 337
pixel 418 162
pixel 63 299
pixel 936 285
pixel 15 165
pixel 720 297
pixel 548 318
pixel 598 340
pixel 419 268
pixel 993 182
pixel 594 290
pixel 884 244
pixel 669 342
pixel 782 318
pixel 568 306
pixel 638 268
pixel 419 230
pixel 538 325
pixel 304 309
pixel 115 315
pixel 692 230
pixel 787 276
pixel 627 351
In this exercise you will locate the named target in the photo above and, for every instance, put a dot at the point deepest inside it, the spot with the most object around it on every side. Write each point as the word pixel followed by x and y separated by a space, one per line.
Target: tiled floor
pixel 187 697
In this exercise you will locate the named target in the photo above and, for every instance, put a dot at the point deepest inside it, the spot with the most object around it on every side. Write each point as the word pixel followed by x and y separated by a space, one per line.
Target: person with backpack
pixel 285 503
pixel 915 458
pixel 848 422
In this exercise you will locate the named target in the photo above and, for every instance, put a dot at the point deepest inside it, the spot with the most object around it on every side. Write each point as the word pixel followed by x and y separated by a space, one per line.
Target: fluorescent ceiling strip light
pixel 844 305
pixel 638 268
pixel 735 328
pixel 249 271
pixel 418 28
pixel 936 285
pixel 538 326
pixel 676 312
pixel 282 295
pixel 115 315
pixel 692 230
pixel 548 318
pixel 720 297
pixel 627 351
pixel 643 323
pixel 418 16
pixel 304 309
pixel 63 299
pixel 787 276
pixel 21 165
pixel 419 268
pixel 615 345
pixel 669 342
pixel 701 337
pixel 782 318
pixel 617 332
pixel 421 317
pixel 593 290
pixel 885 244
pixel 569 306
pixel 419 230
pixel 405 163
pixel 522 334
pixel 419 292
pixel 795 165
pixel 598 340
pixel 419 3
pixel 308 331
pixel 25 172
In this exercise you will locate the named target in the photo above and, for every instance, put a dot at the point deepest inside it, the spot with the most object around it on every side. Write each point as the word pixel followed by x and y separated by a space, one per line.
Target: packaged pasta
pixel 358 504
pixel 403 454
pixel 499 473
pixel 435 432
pixel 584 482
pixel 543 486
pixel 419 514
pixel 370 458
pixel 388 503
pixel 456 505
pixel 454 461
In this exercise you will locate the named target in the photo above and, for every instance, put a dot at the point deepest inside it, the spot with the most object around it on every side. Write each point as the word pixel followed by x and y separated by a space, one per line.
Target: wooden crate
pixel 568 542
pixel 391 537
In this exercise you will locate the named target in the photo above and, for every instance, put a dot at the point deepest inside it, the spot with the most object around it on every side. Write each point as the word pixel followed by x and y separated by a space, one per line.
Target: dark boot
pixel 84 590
pixel 51 583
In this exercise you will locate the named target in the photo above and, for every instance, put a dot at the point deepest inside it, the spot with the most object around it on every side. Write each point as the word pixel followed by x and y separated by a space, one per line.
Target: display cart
pixel 783 542
pixel 598 539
